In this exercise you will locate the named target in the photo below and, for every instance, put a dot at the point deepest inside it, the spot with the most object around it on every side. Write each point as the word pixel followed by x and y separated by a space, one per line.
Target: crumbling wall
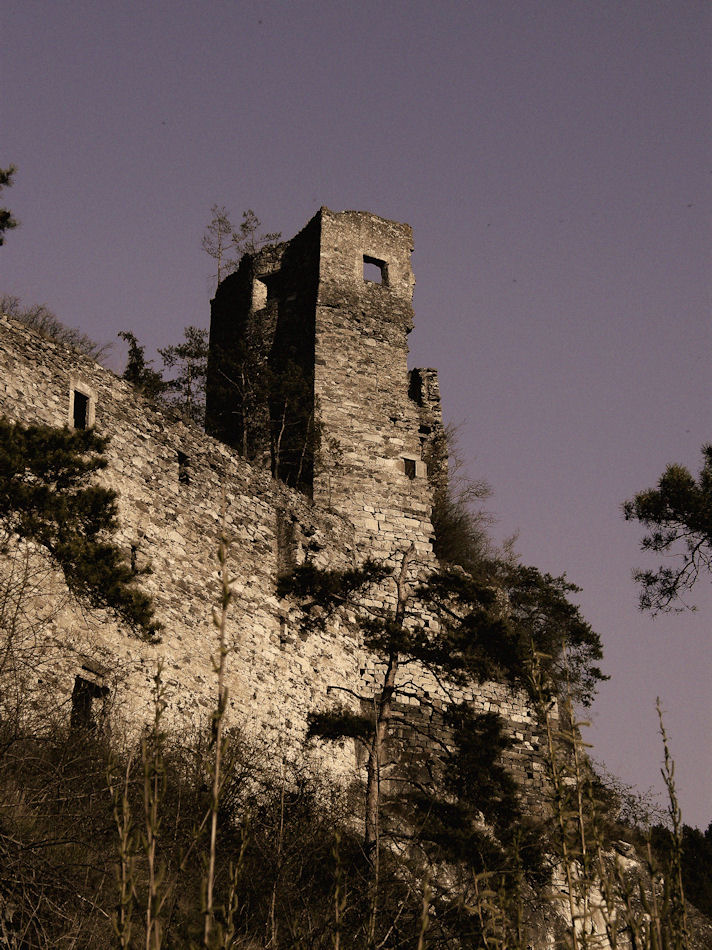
pixel 260 392
pixel 336 302
pixel 372 466
pixel 424 391
pixel 177 490
pixel 321 323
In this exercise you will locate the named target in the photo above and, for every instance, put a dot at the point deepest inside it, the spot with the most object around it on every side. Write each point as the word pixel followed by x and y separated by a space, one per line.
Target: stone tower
pixel 308 373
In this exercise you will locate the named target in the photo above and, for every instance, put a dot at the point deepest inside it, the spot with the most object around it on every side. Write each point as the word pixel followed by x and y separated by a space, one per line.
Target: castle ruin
pixel 315 447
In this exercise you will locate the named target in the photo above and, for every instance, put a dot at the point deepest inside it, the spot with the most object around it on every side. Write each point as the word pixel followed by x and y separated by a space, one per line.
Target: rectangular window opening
pixel 183 469
pixel 409 467
pixel 375 271
pixel 80 410
pixel 87 701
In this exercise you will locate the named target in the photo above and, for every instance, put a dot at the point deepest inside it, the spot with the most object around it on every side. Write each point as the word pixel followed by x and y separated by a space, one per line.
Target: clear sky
pixel 554 158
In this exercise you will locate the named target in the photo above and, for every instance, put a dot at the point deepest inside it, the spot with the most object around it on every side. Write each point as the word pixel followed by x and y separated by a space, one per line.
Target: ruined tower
pixel 308 373
pixel 308 377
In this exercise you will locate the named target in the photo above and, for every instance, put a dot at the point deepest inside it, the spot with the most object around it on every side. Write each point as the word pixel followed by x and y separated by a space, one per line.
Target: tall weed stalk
pixel 219 665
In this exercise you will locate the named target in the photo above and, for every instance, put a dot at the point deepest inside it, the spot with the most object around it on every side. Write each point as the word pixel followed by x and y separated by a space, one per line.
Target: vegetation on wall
pixel 456 627
pixel 138 370
pixel 40 318
pixel 49 498
pixel 460 521
pixel 107 843
pixel 182 381
pixel 187 365
pixel 180 840
pixel 227 244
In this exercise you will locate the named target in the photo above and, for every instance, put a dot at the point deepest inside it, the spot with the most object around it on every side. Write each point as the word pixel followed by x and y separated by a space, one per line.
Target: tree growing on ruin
pixel 138 370
pixel 540 609
pixel 295 430
pixel 49 499
pixel 227 244
pixel 677 516
pixel 188 362
pixel 217 241
pixel 456 799
pixel 248 238
pixel 395 633
pixel 460 521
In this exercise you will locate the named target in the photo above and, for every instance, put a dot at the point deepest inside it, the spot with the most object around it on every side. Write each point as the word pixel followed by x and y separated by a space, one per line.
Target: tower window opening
pixel 80 410
pixel 409 467
pixel 375 271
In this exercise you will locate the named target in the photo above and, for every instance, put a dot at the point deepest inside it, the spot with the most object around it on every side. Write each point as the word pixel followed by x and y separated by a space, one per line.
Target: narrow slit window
pixel 286 544
pixel 374 270
pixel 183 469
pixel 80 410
pixel 409 467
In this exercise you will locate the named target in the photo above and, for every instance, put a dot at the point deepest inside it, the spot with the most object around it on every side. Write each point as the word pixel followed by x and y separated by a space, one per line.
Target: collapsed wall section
pixel 260 387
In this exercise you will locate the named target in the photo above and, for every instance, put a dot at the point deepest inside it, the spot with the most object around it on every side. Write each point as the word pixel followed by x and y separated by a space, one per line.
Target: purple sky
pixel 555 161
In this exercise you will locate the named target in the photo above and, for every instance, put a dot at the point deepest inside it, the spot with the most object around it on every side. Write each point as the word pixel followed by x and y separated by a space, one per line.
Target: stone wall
pixel 334 304
pixel 363 493
pixel 177 490
pixel 373 469
pixel 260 392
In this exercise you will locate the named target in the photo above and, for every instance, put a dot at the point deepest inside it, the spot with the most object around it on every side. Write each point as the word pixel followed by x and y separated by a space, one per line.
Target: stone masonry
pixel 307 382
pixel 336 302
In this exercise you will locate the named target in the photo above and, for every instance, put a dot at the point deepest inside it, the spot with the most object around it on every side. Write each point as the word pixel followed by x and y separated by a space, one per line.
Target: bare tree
pixel 39 317
pixel 217 241
pixel 227 244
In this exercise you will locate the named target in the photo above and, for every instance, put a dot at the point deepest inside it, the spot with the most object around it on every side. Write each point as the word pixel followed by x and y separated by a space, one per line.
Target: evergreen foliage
pixel 470 640
pixel 678 517
pixel 451 798
pixel 7 221
pixel 469 811
pixel 138 369
pixel 188 361
pixel 542 618
pixel 48 497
